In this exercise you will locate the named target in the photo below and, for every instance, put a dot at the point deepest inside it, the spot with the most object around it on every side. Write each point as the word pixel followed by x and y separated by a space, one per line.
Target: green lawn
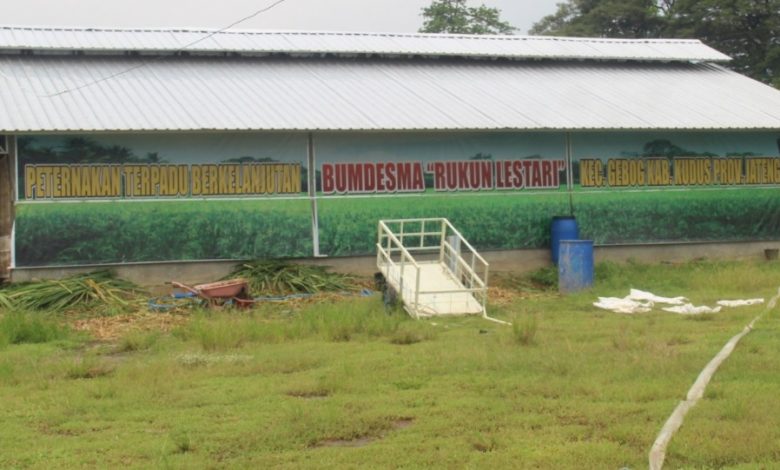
pixel 342 383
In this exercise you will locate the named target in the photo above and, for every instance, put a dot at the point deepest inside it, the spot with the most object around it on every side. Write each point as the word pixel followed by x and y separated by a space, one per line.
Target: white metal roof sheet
pixel 198 93
pixel 14 38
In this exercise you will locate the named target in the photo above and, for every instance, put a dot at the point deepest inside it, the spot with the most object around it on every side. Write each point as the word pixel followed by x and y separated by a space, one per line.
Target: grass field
pixel 108 232
pixel 342 383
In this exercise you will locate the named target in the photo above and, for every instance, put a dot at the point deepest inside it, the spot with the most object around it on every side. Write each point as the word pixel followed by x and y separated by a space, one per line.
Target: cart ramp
pixel 423 262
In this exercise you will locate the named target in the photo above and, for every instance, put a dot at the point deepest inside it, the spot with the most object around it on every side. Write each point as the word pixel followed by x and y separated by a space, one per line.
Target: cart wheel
pixel 389 298
pixel 380 282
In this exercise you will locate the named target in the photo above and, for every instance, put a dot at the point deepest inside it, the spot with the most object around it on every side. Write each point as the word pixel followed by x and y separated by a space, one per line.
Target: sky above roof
pixel 320 15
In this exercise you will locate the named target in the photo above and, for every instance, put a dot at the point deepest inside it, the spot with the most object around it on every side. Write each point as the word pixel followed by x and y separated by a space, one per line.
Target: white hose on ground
pixel 496 320
pixel 696 392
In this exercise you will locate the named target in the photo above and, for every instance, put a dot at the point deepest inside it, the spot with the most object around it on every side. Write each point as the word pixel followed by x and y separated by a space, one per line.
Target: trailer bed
pixel 449 297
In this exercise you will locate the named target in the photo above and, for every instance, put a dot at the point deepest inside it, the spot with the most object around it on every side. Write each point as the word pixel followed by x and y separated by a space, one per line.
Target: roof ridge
pixel 55 39
pixel 270 32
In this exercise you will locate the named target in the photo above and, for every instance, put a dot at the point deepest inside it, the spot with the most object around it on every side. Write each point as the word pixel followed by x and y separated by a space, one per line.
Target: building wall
pixel 6 207
pixel 86 200
pixel 514 261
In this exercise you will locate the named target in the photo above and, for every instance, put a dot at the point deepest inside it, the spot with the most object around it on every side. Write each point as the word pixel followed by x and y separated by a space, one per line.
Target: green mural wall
pixel 160 197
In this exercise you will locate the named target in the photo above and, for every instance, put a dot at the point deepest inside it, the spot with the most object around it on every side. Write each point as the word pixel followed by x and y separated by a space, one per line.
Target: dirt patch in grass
pixel 309 394
pixel 49 429
pixel 358 442
pixel 402 423
pixel 502 295
pixel 362 441
pixel 114 327
pixel 89 369
pixel 513 285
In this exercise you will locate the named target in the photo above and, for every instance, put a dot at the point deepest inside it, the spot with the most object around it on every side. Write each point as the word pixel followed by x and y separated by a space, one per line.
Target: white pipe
pixel 658 450
pixel 497 320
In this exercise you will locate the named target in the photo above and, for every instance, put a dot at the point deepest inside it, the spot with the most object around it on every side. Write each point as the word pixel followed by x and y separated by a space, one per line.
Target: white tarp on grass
pixel 638 301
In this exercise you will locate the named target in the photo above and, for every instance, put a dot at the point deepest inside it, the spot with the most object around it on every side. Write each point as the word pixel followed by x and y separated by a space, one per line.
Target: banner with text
pixel 676 187
pixel 161 197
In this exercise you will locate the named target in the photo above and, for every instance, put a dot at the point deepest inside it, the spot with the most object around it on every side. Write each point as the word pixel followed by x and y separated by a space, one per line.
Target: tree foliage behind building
pixel 455 17
pixel 746 30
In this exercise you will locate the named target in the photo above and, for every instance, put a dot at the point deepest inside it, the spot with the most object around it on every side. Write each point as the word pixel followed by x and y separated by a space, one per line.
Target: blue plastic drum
pixel 562 228
pixel 575 267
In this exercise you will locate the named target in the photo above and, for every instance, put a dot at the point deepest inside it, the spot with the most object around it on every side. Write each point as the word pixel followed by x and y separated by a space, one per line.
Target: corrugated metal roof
pixel 304 42
pixel 190 93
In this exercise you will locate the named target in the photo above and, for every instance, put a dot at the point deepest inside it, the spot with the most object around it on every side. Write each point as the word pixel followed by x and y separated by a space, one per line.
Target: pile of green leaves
pixel 274 277
pixel 96 289
pixel 5 302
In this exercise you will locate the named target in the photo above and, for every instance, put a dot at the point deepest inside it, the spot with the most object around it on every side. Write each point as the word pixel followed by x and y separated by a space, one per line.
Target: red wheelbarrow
pixel 217 293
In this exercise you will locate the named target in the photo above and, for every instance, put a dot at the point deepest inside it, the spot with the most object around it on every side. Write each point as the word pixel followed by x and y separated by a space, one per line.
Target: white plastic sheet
pixel 690 309
pixel 625 305
pixel 636 294
pixel 739 303
pixel 639 301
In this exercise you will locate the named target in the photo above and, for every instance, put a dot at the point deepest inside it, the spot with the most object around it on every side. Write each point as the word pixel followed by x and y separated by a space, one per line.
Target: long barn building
pixel 141 147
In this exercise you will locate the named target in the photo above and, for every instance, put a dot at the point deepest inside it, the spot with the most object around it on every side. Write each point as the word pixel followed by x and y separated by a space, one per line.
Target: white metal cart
pixel 432 268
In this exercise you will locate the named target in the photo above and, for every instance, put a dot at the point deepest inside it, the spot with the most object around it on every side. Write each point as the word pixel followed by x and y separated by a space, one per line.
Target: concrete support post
pixel 312 183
